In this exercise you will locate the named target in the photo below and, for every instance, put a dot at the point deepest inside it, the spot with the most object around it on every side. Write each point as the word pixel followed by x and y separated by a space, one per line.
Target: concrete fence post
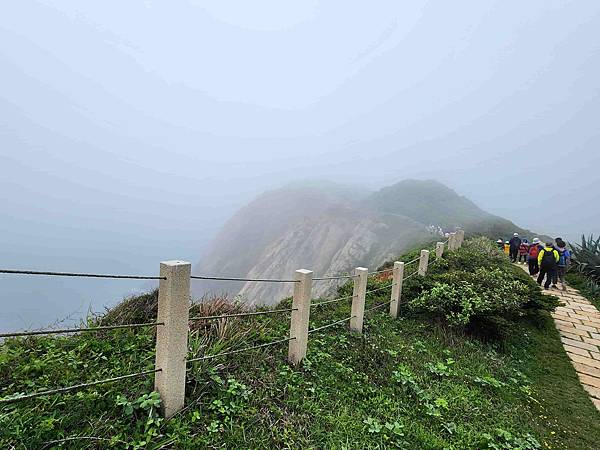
pixel 439 249
pixel 172 337
pixel 398 276
pixel 300 317
pixel 358 298
pixel 423 262
pixel 452 242
pixel 461 238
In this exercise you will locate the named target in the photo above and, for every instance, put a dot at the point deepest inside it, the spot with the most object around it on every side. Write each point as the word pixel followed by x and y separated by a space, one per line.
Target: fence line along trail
pixel 173 319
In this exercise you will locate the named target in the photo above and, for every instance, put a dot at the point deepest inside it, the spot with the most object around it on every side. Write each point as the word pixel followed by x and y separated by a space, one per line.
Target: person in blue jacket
pixel 564 260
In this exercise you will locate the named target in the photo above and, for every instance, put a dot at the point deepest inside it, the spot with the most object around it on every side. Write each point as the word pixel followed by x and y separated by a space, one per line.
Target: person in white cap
pixel 514 243
pixel 534 251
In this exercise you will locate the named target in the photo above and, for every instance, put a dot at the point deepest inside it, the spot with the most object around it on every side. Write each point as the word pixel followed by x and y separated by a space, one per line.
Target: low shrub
pixel 460 296
pixel 477 289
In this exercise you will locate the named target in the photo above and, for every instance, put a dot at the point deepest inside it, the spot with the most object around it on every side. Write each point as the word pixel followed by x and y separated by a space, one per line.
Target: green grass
pixel 404 383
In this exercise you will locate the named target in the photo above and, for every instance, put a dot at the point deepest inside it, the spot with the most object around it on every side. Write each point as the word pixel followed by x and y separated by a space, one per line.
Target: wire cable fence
pixel 335 300
pixel 258 280
pixel 334 277
pixel 381 288
pixel 381 271
pixel 411 275
pixel 412 261
pixel 244 314
pixel 241 350
pixel 329 325
pixel 81 275
pixel 80 330
pixel 19 397
pixel 377 306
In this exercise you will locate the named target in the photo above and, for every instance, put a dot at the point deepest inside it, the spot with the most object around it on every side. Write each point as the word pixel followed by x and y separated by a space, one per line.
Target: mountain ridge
pixel 333 230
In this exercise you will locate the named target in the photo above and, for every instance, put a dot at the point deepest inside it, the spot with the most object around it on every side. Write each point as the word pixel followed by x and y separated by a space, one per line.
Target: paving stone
pixel 588 370
pixel 586 328
pixel 563 323
pixel 580 317
pixel 589 380
pixel 577 351
pixel 567 319
pixel 594 392
pixel 587 318
pixel 595 335
pixel 596 403
pixel 595 355
pixel 590 340
pixel 583 360
pixel 575 337
pixel 572 330
pixel 579 344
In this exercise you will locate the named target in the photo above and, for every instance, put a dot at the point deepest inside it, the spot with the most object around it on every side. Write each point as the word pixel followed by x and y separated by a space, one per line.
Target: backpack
pixel 534 251
pixel 563 255
pixel 548 259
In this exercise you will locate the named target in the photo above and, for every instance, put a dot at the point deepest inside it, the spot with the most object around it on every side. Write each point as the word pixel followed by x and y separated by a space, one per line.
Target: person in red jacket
pixel 523 251
pixel 534 250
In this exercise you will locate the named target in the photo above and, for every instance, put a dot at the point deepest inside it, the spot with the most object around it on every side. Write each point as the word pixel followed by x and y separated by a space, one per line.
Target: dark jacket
pixel 515 242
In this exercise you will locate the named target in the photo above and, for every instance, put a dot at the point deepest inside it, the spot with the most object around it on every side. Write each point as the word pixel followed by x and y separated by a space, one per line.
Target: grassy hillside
pixel 414 382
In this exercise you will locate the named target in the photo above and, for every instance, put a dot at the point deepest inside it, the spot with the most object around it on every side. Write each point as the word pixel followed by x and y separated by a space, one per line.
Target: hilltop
pixel 331 229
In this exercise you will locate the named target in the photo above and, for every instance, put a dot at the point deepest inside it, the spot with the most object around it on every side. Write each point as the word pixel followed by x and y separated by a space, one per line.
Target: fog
pixel 130 131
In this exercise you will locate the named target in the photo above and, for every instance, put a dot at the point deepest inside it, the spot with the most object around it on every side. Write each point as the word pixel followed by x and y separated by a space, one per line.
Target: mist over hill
pixel 331 229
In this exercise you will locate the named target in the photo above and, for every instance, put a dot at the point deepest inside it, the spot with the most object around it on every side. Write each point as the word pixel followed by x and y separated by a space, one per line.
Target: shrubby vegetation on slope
pixel 477 289
pixel 405 383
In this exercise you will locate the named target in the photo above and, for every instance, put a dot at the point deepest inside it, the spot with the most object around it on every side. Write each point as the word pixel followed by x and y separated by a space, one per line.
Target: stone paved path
pixel 578 323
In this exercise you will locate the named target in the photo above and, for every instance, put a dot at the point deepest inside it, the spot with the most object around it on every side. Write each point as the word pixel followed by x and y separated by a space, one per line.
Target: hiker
pixel 523 251
pixel 563 263
pixel 507 248
pixel 534 250
pixel 514 243
pixel 548 261
pixel 500 244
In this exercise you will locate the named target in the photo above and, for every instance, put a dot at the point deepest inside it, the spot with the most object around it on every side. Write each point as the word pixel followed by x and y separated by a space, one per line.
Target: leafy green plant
pixel 586 259
pixel 505 440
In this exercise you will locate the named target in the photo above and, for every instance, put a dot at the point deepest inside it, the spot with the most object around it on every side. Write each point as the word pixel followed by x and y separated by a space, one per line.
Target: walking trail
pixel 578 323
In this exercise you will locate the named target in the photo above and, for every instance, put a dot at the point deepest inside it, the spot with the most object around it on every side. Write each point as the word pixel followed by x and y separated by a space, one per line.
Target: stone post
pixel 452 242
pixel 172 337
pixel 423 262
pixel 439 249
pixel 396 288
pixel 299 321
pixel 461 238
pixel 358 298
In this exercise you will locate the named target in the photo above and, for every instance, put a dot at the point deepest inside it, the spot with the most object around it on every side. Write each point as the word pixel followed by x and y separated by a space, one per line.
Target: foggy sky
pixel 130 131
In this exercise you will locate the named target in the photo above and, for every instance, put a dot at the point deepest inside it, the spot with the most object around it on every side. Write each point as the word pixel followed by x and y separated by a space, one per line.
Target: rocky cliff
pixel 330 229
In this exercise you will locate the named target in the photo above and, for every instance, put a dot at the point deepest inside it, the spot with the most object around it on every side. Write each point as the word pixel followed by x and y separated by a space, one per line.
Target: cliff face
pixel 328 229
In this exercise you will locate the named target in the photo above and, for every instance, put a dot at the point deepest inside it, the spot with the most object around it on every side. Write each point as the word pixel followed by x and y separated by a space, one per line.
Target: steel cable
pixel 412 261
pixel 411 275
pixel 337 322
pixel 253 313
pixel 77 330
pixel 381 271
pixel 83 275
pixel 337 277
pixel 377 306
pixel 266 280
pixel 335 300
pixel 75 387
pixel 268 344
pixel 381 288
